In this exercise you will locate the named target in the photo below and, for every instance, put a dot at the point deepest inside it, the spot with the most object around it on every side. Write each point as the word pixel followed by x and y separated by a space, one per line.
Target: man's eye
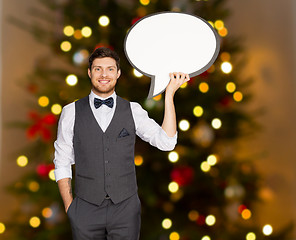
pixel 97 69
pixel 111 69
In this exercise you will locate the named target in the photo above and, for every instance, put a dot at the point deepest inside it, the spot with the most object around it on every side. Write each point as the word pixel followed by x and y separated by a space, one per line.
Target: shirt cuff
pixel 170 142
pixel 61 173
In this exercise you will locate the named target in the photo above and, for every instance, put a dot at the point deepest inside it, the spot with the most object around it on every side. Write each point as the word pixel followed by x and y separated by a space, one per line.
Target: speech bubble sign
pixel 167 42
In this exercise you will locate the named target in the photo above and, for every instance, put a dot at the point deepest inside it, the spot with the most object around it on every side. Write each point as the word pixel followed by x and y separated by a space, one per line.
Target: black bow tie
pixel 109 102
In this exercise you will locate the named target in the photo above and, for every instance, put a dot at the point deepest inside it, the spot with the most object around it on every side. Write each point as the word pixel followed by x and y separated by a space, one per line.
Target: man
pixel 97 134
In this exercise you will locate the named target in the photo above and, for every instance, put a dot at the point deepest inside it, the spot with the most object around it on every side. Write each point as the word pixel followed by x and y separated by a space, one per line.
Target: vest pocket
pixel 86 177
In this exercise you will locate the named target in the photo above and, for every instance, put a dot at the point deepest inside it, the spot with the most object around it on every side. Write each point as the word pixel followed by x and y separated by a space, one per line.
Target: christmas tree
pixel 203 189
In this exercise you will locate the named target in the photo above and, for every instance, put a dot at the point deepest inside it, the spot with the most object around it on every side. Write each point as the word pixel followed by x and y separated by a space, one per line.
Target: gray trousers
pixel 108 221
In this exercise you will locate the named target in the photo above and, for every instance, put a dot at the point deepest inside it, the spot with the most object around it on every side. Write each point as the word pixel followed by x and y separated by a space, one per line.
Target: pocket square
pixel 123 133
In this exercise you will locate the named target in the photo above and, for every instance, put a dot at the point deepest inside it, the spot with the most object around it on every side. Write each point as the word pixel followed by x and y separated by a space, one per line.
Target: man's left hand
pixel 177 79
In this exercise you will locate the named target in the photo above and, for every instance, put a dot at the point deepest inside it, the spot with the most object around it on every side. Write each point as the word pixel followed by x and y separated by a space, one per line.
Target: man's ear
pixel 118 73
pixel 89 72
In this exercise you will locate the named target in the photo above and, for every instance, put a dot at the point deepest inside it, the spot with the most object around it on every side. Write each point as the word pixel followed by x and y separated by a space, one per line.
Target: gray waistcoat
pixel 104 162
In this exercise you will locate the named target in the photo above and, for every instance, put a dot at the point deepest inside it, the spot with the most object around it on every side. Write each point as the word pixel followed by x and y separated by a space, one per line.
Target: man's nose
pixel 104 73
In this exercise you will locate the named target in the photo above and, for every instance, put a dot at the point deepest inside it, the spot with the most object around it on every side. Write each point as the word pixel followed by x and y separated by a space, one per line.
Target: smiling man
pixel 97 133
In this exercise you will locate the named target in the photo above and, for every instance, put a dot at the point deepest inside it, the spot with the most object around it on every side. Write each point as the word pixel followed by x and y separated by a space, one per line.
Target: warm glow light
pixel 203 87
pixel 173 187
pixel 212 24
pixel 225 56
pixel 66 46
pixel 184 125
pixel 206 238
pixel 223 32
pixel 47 212
pixel 205 166
pixel 174 236
pixel 216 123
pixel 226 67
pixel 145 2
pixel 71 80
pixel 212 160
pixel 238 96
pixel 139 160
pixel 251 236
pixel 78 34
pixel 267 230
pixel 2 228
pixel 68 31
pixel 211 69
pixel 86 31
pixel 230 87
pixel 158 97
pixel 219 24
pixel 35 222
pixel 43 101
pixel 198 111
pixel 210 220
pixel 104 21
pixel 193 215
pixel 22 161
pixel 137 73
pixel 173 157
pixel 56 109
pixel 33 186
pixel 184 85
pixel 246 214
pixel 167 223
pixel 51 175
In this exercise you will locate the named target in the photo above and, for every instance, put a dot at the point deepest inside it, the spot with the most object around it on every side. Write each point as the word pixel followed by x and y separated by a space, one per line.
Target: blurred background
pixel 261 45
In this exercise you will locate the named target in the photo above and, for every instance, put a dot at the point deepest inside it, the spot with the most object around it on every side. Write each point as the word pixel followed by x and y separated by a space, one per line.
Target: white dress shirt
pixel 146 128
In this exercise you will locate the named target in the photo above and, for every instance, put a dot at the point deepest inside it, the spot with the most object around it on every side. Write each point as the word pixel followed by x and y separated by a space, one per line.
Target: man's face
pixel 103 75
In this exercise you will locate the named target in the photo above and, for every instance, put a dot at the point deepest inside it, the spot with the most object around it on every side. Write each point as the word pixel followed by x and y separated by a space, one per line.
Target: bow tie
pixel 109 102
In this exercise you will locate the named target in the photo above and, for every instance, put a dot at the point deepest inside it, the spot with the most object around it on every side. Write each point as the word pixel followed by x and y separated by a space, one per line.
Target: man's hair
pixel 103 52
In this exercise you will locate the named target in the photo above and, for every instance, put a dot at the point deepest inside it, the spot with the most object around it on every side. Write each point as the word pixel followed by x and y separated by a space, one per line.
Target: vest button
pixel 106 161
pixel 107 149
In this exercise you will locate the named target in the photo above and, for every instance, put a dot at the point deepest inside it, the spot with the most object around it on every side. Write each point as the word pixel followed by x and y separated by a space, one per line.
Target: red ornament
pixel 44 169
pixel 201 220
pixel 99 45
pixel 182 175
pixel 136 19
pixel 41 126
pixel 226 101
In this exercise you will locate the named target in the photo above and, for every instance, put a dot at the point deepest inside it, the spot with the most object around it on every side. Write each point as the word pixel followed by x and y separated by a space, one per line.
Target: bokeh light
pixel 184 125
pixel 47 212
pixel 35 222
pixel 226 67
pixel 71 80
pixel 56 109
pixel 22 161
pixel 174 236
pixel 238 96
pixel 230 87
pixel 43 101
pixel 139 160
pixel 66 46
pixel 267 230
pixel 104 21
pixel 68 31
pixel 86 32
pixel 2 228
pixel 173 156
pixel 210 220
pixel 203 87
pixel 205 166
pixel 216 123
pixel 251 236
pixel 173 187
pixel 198 111
pixel 167 223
